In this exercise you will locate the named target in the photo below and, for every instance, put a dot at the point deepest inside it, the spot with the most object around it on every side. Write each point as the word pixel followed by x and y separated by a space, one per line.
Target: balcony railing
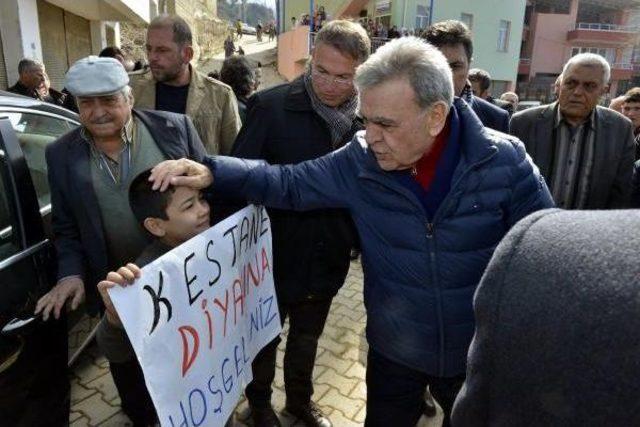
pixel 594 26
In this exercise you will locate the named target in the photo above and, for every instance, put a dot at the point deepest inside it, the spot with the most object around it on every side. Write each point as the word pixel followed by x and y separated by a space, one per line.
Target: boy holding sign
pixel 170 218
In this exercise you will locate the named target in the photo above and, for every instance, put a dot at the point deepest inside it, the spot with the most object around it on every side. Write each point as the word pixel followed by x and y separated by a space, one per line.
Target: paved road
pixel 264 52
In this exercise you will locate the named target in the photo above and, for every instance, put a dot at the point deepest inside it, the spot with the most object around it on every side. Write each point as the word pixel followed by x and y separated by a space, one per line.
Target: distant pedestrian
pixel 229 46
pixel 259 31
pixel 239 28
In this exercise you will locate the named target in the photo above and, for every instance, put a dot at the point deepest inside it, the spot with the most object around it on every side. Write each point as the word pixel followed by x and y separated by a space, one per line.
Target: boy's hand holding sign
pixel 197 316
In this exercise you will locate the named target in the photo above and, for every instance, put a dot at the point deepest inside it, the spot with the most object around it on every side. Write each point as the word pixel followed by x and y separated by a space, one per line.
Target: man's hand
pixel 56 298
pixel 124 276
pixel 183 172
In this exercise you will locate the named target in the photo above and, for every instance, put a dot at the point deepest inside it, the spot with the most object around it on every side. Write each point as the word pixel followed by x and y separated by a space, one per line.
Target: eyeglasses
pixel 325 78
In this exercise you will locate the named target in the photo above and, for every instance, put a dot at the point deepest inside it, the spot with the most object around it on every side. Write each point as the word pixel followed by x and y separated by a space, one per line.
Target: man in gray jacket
pixel 557 319
pixel 585 152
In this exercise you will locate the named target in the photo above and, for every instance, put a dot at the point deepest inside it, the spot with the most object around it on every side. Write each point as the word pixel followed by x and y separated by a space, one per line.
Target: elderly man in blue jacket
pixel 431 192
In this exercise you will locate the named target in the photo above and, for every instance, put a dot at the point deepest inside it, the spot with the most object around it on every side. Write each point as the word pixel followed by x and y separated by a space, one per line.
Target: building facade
pixel 59 32
pixel 496 25
pixel 555 30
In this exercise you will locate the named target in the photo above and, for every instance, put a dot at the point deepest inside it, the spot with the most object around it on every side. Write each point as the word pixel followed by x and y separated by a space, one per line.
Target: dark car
pixel 34 387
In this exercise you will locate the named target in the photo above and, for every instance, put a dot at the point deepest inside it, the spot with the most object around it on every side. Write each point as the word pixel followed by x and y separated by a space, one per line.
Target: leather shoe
pixel 264 417
pixel 310 415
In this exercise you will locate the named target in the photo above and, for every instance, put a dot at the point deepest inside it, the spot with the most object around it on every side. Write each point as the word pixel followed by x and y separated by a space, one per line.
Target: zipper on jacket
pixel 432 255
pixel 434 276
pixel 429 230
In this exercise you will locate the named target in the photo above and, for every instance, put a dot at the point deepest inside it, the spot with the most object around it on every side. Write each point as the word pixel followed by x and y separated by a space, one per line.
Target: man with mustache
pixel 584 151
pixel 174 85
pixel 90 169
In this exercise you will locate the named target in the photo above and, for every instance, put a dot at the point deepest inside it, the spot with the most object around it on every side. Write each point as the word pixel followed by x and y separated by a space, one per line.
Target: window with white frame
pixel 422 16
pixel 503 35
pixel 467 19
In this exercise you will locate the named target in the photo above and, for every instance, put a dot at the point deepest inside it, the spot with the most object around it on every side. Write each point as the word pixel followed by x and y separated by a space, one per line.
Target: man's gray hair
pixel 127 92
pixel 590 60
pixel 412 58
pixel 28 64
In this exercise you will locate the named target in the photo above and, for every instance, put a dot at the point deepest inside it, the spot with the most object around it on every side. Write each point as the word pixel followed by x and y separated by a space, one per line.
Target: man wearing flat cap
pixel 90 169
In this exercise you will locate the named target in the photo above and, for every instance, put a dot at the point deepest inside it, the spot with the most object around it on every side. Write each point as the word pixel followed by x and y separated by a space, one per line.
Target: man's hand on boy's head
pixel 124 276
pixel 180 173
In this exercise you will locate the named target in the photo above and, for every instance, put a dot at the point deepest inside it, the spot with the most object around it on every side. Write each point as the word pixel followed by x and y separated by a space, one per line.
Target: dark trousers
pixel 34 390
pixel 306 322
pixel 395 393
pixel 136 402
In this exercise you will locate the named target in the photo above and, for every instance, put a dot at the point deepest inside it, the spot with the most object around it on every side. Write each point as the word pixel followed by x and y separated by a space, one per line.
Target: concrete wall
pixel 293 52
pixel 486 22
pixel 20 34
pixel 550 42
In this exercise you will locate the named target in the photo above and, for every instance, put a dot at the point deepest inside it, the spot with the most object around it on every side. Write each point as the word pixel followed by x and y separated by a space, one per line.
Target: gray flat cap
pixel 94 76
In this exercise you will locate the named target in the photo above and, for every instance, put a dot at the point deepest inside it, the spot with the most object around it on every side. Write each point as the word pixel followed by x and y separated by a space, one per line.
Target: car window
pixel 36 131
pixel 8 239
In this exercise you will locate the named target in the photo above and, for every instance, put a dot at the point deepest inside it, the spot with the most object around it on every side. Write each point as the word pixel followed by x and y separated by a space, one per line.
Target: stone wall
pixel 208 31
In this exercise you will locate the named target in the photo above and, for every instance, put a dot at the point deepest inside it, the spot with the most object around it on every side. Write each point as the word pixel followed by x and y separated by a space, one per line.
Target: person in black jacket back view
pixel 291 123
pixel 557 318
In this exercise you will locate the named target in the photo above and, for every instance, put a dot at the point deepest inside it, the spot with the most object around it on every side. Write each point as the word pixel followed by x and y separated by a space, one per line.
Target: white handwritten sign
pixel 198 316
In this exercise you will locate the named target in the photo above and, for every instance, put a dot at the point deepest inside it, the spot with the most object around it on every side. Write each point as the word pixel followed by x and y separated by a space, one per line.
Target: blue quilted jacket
pixel 419 274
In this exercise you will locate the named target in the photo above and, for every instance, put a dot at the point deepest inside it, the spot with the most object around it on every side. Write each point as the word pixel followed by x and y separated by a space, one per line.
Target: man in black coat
pixel 291 123
pixel 34 83
pixel 557 319
pixel 453 38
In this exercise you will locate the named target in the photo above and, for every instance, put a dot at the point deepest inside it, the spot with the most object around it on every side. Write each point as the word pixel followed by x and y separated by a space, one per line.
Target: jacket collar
pixel 475 140
pixel 476 143
pixel 146 95
pixel 297 98
pixel 196 92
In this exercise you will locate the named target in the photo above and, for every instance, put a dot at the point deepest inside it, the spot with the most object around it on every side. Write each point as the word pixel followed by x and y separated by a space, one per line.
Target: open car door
pixel 34 387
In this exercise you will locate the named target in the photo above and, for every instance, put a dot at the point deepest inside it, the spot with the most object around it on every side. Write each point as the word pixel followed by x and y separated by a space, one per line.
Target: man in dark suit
pixel 453 38
pixel 90 169
pixel 89 172
pixel 584 151
pixel 557 319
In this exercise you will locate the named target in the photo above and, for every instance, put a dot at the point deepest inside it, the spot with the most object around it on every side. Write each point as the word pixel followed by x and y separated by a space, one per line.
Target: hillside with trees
pixel 232 10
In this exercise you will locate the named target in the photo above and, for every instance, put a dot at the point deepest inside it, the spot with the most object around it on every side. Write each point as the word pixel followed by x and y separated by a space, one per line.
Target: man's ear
pixel 155 226
pixel 187 53
pixel 437 118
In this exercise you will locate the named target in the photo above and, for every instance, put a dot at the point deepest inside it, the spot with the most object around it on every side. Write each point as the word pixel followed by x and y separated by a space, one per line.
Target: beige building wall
pixel 65 38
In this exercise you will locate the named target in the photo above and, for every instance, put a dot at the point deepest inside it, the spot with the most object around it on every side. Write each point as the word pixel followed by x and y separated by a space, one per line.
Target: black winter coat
pixel 310 249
